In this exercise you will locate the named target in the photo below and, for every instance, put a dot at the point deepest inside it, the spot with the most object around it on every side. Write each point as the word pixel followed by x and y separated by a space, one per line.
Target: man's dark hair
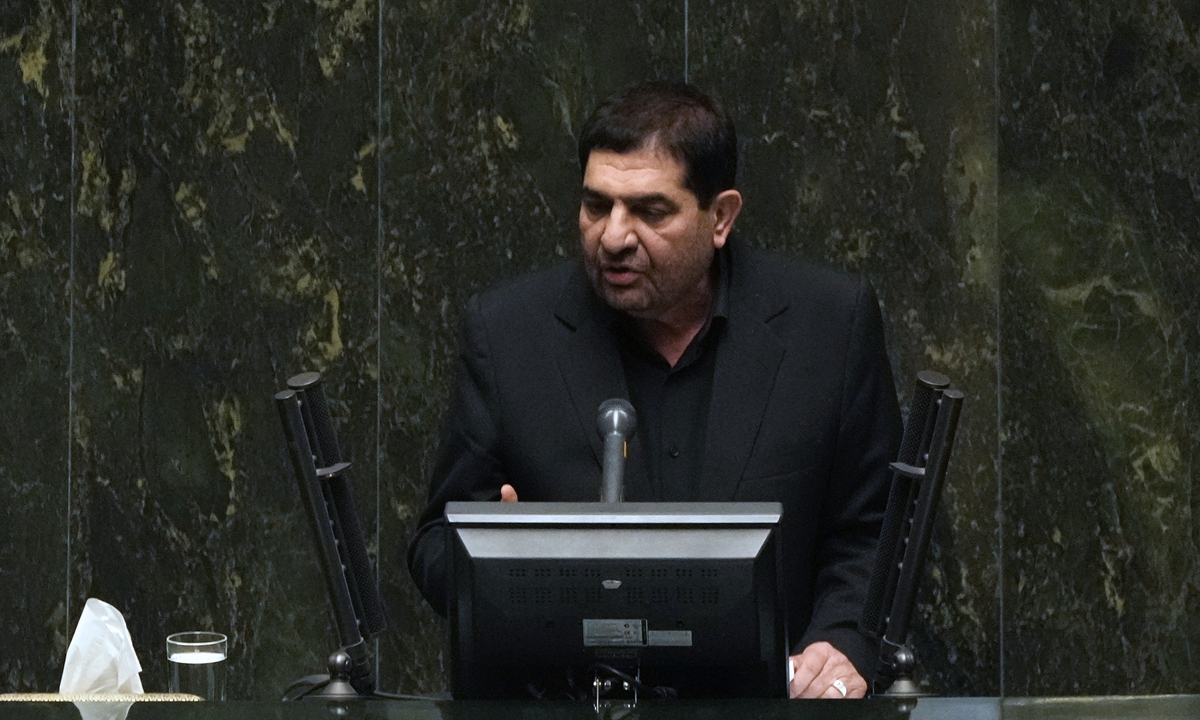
pixel 675 117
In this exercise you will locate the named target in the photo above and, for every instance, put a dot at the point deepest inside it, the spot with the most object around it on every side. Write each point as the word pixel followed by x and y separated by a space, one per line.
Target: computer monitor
pixel 684 595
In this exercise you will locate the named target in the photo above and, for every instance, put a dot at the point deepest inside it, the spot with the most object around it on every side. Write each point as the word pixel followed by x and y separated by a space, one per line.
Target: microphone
pixel 615 421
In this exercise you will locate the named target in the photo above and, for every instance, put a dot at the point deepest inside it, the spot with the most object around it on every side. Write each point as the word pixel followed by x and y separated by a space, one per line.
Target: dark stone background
pixel 1100 315
pixel 199 199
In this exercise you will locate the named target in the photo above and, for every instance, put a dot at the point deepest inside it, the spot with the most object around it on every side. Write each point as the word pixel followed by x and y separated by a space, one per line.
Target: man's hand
pixel 820 669
pixel 508 493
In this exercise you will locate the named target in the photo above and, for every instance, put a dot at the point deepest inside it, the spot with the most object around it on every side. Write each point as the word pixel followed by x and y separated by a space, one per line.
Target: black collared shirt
pixel 672 402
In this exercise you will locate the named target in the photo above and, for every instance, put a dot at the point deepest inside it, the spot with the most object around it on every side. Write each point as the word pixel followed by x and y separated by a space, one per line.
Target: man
pixel 753 378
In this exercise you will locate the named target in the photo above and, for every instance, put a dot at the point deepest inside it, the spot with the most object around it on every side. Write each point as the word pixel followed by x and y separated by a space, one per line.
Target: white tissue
pixel 100 658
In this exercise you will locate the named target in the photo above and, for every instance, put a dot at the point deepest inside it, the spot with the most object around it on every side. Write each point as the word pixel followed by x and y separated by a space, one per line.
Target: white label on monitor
pixel 613 633
pixel 669 638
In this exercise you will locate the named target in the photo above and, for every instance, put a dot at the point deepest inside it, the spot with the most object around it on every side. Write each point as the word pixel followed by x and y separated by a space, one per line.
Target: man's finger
pixel 823 671
pixel 508 493
pixel 807 667
pixel 832 693
pixel 816 688
pixel 856 687
pixel 838 679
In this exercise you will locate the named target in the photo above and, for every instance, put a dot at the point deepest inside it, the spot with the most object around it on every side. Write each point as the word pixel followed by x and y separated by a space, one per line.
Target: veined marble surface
pixel 1100 223
pixel 35 271
pixel 868 146
pixel 200 199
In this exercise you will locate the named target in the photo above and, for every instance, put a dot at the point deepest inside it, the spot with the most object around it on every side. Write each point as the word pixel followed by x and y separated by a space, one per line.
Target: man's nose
pixel 619 232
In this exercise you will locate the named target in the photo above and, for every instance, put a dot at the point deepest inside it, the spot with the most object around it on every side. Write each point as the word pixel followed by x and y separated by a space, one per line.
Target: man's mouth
pixel 619 275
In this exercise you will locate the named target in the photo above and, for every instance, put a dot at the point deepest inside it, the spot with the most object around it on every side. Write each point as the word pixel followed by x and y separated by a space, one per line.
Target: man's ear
pixel 725 208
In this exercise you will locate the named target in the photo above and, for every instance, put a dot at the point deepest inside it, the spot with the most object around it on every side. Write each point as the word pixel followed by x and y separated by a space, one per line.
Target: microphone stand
pixel 918 479
pixel 615 421
pixel 328 499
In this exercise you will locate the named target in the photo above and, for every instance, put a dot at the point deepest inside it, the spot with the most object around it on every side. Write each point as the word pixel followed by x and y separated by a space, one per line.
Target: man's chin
pixel 626 300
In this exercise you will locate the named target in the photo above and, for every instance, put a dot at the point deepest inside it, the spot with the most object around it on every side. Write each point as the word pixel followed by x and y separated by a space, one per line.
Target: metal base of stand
pixel 337 688
pixel 905 688
pixel 901 667
pixel 334 686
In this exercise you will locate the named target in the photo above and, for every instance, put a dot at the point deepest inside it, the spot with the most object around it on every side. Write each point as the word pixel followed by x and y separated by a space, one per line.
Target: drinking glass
pixel 197 661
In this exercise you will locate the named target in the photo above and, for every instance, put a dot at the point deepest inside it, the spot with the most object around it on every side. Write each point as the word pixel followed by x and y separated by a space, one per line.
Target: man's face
pixel 647 245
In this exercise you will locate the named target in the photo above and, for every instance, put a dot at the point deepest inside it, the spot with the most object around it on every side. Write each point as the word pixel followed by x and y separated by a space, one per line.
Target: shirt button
pixel 673 451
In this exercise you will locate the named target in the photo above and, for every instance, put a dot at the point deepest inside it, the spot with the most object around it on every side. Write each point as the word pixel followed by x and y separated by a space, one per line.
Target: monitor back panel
pixel 685 594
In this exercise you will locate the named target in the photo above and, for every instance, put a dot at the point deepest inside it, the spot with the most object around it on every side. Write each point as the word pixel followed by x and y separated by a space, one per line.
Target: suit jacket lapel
pixel 590 360
pixel 748 359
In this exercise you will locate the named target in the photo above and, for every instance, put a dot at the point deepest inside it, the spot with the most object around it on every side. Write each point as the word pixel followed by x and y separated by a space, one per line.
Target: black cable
pixel 317 686
pixel 306 691
pixel 396 696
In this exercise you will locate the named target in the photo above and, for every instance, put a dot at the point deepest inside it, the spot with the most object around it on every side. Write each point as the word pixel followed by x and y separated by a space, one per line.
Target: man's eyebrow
pixel 648 199
pixel 651 199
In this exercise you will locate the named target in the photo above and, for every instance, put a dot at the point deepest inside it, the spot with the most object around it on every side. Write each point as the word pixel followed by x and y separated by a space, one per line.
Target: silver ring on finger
pixel 840 686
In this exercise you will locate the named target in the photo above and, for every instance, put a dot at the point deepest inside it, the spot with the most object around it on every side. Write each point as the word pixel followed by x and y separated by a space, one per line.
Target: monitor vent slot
pixel 581 586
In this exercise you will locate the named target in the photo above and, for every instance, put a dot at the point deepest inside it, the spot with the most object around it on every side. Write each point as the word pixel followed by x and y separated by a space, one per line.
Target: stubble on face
pixel 647 247
pixel 654 288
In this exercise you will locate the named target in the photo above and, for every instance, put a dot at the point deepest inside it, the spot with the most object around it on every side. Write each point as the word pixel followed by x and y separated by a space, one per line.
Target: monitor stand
pixel 616 692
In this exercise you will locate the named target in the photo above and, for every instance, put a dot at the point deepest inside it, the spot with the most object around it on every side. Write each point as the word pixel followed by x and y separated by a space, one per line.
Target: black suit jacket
pixel 803 412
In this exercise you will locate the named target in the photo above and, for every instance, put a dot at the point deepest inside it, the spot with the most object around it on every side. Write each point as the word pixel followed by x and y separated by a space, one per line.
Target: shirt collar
pixel 720 307
pixel 718 315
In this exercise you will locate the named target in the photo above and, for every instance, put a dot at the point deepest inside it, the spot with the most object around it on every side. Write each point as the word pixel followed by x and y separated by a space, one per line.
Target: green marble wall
pixel 1100 223
pixel 871 150
pixel 203 198
pixel 35 352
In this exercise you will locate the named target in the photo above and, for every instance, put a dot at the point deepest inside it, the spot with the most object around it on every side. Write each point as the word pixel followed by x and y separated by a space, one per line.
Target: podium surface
pixel 1165 707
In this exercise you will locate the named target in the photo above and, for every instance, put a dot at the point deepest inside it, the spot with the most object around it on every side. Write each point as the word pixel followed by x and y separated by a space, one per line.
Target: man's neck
pixel 671 334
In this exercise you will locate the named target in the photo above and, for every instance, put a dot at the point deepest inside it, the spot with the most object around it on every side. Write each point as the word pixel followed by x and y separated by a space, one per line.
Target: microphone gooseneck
pixel 615 421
